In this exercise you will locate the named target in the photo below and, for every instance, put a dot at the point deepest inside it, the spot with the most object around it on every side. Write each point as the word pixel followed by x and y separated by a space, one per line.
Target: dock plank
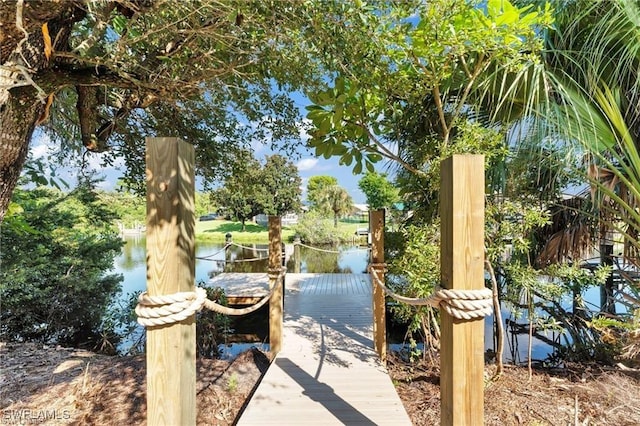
pixel 242 288
pixel 327 372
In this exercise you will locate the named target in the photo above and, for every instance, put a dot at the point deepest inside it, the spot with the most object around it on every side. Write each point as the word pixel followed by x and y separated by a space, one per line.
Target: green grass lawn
pixel 216 230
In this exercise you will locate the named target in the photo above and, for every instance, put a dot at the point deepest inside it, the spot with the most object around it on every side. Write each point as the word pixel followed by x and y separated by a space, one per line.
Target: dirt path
pixel 59 386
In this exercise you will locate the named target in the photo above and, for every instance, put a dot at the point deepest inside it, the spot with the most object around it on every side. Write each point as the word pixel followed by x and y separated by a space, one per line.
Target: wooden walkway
pixel 327 372
pixel 242 288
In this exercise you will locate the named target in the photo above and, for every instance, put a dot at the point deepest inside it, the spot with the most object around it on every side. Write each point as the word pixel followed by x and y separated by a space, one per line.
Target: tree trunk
pixel 607 290
pixel 497 311
pixel 23 56
pixel 18 116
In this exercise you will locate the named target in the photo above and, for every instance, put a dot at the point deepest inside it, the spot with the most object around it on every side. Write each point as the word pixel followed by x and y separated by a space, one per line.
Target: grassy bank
pixel 216 231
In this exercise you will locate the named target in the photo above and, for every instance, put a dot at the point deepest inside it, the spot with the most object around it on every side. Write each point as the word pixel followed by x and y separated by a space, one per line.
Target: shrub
pixel 315 229
pixel 54 284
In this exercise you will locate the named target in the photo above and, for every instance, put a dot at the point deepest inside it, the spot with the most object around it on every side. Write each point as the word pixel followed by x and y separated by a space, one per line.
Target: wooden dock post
pixel 376 221
pixel 171 358
pixel 297 259
pixel 462 268
pixel 276 300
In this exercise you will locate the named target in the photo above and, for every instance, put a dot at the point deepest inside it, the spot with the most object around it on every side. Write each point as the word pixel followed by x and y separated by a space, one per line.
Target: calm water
pixel 211 259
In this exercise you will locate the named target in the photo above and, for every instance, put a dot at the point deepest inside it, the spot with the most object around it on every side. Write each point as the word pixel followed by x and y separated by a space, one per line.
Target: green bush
pixel 315 229
pixel 414 271
pixel 56 251
pixel 211 327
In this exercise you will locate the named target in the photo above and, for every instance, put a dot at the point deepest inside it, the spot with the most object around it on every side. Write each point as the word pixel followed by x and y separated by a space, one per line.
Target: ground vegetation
pixel 85 388
pixel 55 281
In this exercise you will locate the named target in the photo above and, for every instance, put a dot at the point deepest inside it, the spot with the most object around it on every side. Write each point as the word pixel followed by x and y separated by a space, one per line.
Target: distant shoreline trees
pixel 272 189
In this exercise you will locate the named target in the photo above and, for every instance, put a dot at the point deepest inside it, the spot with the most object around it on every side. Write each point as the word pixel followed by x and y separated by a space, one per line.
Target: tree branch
pixel 386 152
pixel 480 66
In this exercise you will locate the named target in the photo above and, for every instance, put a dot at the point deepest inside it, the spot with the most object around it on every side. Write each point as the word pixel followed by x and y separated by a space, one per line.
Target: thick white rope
pixel 460 304
pixel 171 308
pixel 317 249
pixel 209 256
pixel 248 248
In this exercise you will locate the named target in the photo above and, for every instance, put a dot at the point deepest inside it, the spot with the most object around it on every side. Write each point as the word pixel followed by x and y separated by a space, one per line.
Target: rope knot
pixel 275 272
pixel 170 308
pixel 464 304
pixel 460 304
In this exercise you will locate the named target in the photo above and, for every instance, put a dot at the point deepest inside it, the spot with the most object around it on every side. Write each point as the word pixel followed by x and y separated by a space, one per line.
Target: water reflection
pixel 213 258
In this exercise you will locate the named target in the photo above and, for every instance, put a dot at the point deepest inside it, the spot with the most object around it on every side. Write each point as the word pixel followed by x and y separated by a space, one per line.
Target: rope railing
pixel 253 259
pixel 328 251
pixel 172 308
pixel 209 256
pixel 247 248
pixel 316 248
pixel 460 304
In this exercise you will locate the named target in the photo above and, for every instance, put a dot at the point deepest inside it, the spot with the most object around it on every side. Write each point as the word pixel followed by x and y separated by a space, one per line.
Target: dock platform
pixel 242 288
pixel 327 372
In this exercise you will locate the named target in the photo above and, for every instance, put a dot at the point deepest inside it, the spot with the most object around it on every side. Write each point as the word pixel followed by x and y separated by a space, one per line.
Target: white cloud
pixel 39 146
pixel 302 127
pixel 39 151
pixel 306 164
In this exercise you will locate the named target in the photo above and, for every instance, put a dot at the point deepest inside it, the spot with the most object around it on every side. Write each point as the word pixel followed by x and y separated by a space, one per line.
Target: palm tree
pixel 596 56
pixel 336 200
pixel 591 67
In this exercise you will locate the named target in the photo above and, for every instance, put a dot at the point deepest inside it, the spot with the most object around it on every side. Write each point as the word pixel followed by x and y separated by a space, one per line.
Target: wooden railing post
pixel 462 268
pixel 275 302
pixel 297 259
pixel 171 359
pixel 376 221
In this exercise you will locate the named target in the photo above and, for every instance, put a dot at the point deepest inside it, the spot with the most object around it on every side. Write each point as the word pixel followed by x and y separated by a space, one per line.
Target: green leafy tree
pixel 315 186
pixel 484 45
pixel 379 191
pixel 242 194
pixel 101 76
pixel 336 199
pixel 282 184
pixel 254 189
pixel 54 281
pixel 204 204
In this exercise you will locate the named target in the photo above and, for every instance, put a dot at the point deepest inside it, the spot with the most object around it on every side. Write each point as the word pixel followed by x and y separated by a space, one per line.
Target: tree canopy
pixel 335 199
pixel 315 186
pixel 379 191
pixel 282 186
pixel 101 76
pixel 458 60
pixel 272 188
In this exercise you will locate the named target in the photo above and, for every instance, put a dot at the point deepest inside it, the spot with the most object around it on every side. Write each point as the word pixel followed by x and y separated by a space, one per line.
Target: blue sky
pixel 308 165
